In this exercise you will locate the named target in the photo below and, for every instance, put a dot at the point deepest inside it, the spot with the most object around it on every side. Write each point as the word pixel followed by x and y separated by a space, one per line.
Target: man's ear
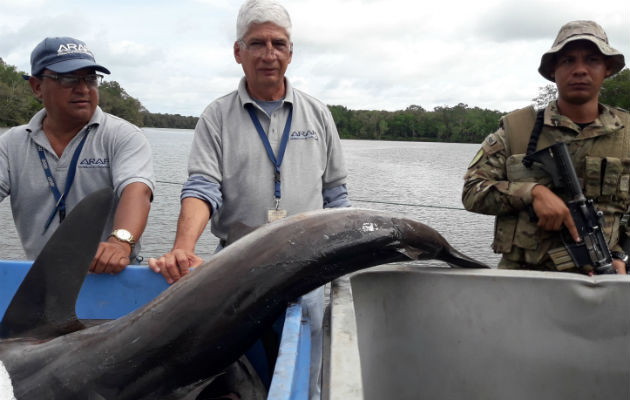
pixel 36 86
pixel 237 52
pixel 290 53
pixel 608 66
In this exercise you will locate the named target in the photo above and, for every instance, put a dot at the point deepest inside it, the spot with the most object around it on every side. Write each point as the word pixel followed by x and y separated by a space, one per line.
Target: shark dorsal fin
pixel 44 305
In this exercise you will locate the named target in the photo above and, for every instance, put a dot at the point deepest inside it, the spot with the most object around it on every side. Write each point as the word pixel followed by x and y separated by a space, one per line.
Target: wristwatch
pixel 124 236
pixel 620 256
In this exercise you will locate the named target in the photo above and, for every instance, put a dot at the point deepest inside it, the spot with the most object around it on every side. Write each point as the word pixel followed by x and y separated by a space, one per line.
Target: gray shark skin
pixel 206 320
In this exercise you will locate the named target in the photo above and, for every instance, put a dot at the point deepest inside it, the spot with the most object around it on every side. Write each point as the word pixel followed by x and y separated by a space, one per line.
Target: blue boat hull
pixel 105 297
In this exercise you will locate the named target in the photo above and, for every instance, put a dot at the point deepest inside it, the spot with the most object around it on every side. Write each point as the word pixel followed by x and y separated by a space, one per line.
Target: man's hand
pixel 552 212
pixel 619 266
pixel 111 257
pixel 193 218
pixel 175 264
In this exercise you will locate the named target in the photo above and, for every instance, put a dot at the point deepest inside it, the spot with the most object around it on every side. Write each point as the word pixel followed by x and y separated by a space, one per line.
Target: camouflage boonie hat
pixel 580 30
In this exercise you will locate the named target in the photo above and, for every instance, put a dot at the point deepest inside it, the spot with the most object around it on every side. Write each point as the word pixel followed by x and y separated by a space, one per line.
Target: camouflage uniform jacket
pixel 497 183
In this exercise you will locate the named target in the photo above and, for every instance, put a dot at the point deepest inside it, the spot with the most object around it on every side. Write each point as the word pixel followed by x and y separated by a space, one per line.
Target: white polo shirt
pixel 227 150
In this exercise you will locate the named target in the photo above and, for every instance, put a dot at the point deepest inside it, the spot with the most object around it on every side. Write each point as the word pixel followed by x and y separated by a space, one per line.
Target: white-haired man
pixel 262 152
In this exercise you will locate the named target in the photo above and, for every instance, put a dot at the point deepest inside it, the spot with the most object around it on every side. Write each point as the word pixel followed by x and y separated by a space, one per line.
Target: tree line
pixel 18 105
pixel 459 123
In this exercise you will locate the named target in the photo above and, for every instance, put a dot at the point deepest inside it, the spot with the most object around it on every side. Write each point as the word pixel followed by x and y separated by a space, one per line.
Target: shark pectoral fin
pixel 44 305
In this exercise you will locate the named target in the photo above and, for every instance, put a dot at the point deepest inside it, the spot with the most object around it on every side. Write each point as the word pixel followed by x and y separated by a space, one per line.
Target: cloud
pixel 176 57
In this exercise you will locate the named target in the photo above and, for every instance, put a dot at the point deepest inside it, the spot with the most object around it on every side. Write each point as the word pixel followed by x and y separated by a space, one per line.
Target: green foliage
pixel 459 123
pixel 17 103
pixel 115 100
pixel 446 124
pixel 168 120
pixel 615 90
pixel 546 94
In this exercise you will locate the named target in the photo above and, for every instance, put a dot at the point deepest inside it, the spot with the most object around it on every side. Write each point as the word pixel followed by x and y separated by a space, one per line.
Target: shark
pixel 199 325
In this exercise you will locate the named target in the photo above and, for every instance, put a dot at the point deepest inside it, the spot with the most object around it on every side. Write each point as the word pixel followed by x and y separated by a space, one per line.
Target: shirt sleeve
pixel 335 173
pixel 133 161
pixel 5 179
pixel 336 197
pixel 487 189
pixel 206 156
pixel 201 188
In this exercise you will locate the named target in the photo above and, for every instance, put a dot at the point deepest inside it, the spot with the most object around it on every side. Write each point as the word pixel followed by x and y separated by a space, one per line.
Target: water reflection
pixel 422 181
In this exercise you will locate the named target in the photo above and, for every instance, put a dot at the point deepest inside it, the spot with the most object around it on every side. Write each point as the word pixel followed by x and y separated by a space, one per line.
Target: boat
pixel 410 332
pixel 425 332
pixel 105 297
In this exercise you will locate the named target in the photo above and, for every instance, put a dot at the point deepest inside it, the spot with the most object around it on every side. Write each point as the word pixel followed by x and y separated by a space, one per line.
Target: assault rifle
pixel 593 250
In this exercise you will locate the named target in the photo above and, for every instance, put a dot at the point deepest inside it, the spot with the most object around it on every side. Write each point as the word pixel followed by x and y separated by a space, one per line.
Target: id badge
pixel 275 214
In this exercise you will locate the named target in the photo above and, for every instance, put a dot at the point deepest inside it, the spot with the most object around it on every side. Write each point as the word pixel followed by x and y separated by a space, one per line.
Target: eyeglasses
pixel 70 81
pixel 260 48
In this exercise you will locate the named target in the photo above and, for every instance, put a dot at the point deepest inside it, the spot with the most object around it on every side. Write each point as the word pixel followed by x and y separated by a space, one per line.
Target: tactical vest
pixel 601 157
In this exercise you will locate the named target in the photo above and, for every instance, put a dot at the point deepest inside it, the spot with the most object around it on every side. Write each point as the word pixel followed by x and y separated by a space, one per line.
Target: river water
pixel 420 180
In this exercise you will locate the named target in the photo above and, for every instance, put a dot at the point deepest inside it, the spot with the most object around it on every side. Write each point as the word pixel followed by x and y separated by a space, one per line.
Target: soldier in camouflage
pixel 598 139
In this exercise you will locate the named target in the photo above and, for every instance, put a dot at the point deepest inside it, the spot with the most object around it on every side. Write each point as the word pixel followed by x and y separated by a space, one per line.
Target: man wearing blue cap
pixel 70 149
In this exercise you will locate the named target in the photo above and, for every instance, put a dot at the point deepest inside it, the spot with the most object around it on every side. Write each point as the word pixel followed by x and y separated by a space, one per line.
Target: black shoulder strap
pixel 533 138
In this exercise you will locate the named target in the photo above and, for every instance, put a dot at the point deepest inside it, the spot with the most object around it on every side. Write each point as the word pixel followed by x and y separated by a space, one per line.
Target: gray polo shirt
pixel 227 150
pixel 115 154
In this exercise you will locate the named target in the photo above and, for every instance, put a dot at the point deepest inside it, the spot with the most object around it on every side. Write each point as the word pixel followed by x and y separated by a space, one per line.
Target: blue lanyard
pixel 60 199
pixel 283 143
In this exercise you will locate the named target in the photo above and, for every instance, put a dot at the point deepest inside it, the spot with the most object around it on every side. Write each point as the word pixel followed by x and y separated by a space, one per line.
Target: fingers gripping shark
pixel 202 323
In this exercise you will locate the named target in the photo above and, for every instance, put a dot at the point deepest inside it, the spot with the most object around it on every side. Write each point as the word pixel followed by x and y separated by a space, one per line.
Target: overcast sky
pixel 176 56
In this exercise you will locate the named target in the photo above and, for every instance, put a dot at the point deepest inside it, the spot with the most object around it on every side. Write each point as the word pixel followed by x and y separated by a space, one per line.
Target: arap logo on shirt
pixel 298 135
pixel 94 163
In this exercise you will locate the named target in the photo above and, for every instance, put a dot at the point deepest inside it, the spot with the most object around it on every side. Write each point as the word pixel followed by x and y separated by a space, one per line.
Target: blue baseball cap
pixel 62 55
